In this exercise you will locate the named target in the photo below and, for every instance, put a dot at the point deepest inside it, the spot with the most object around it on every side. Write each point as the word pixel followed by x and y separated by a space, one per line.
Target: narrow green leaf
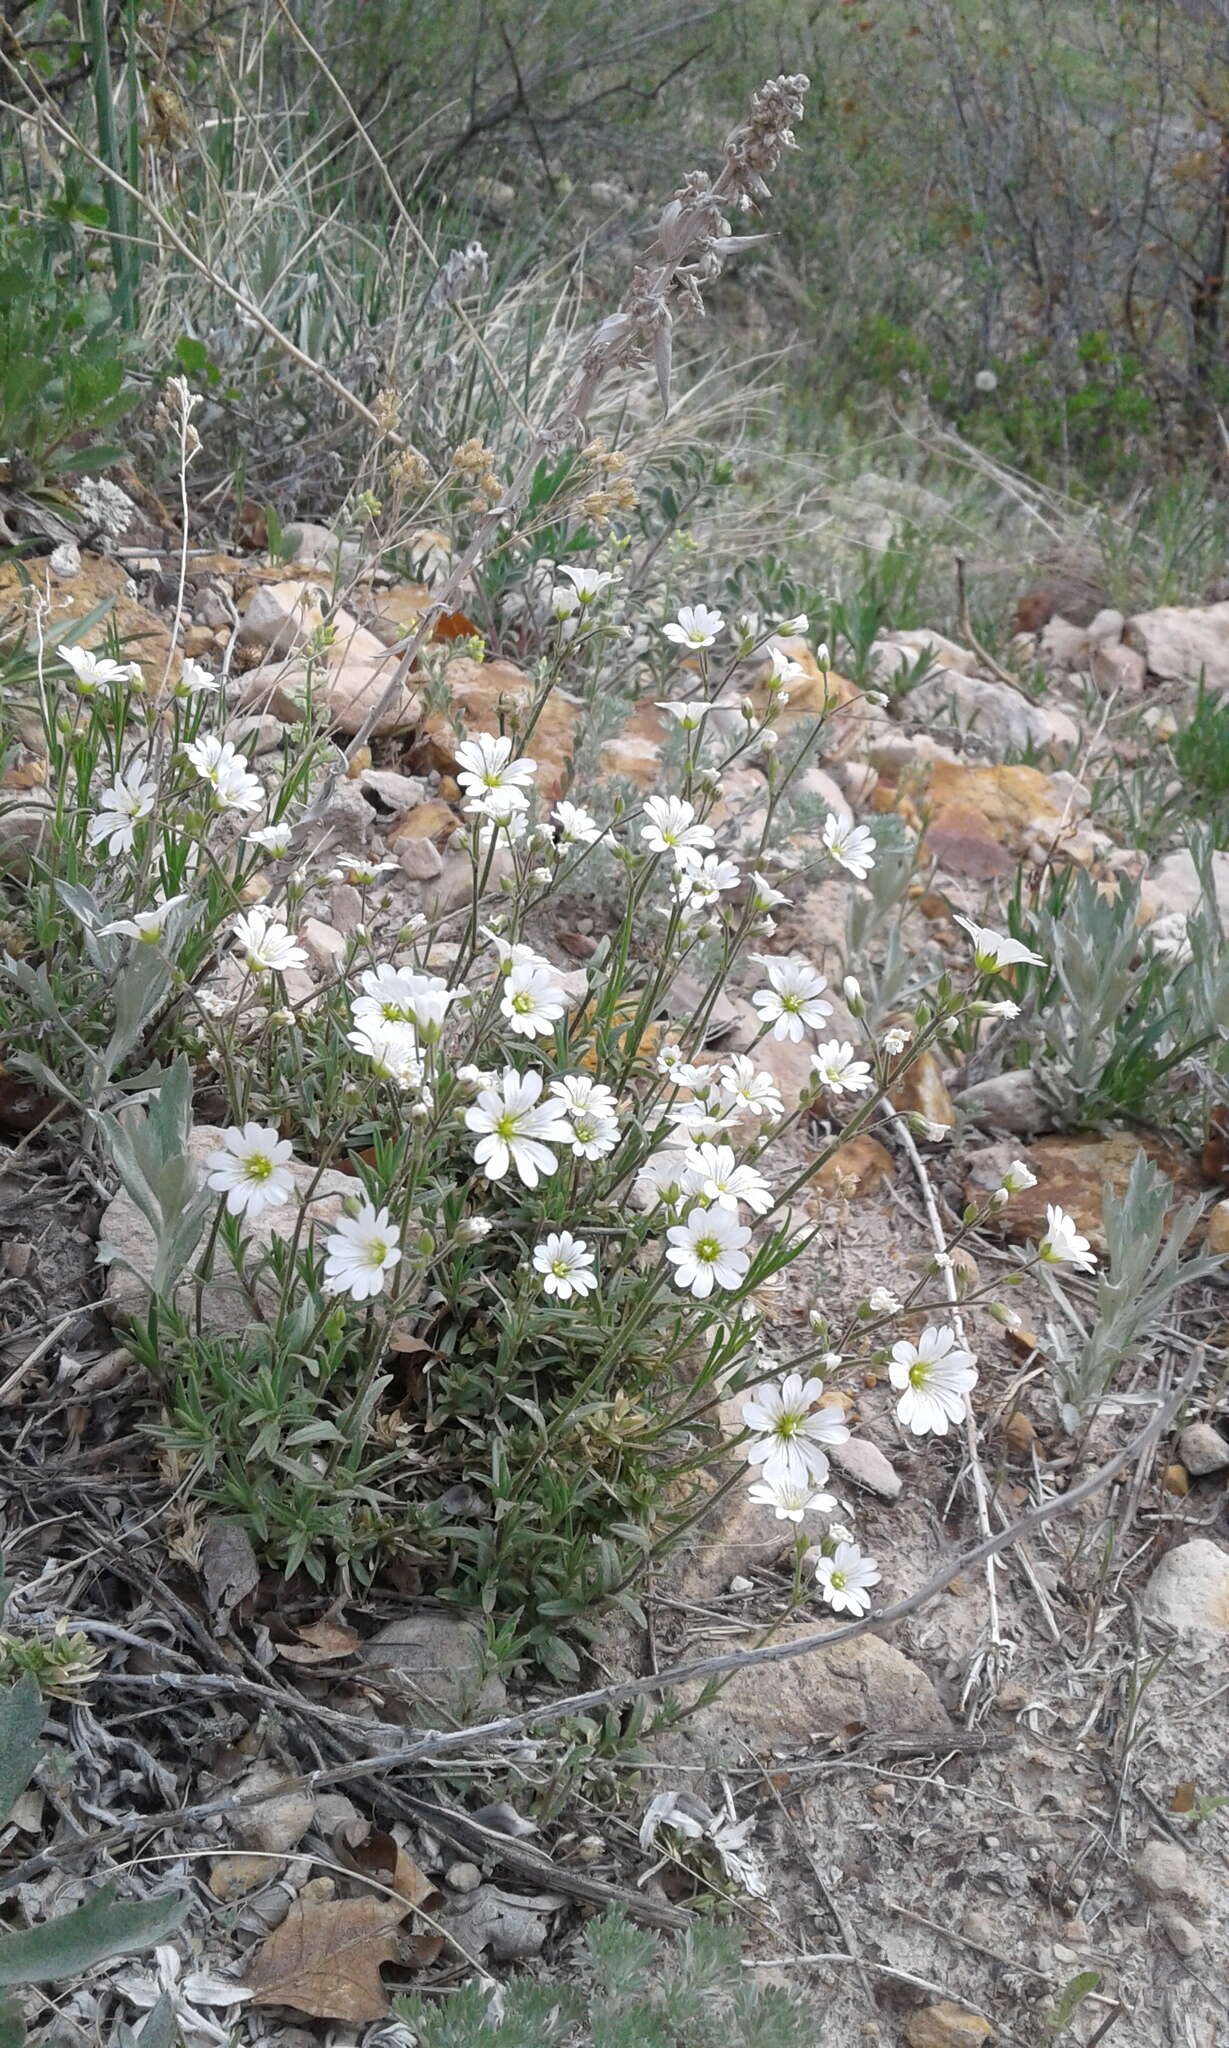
pixel 22 1719
pixel 80 1940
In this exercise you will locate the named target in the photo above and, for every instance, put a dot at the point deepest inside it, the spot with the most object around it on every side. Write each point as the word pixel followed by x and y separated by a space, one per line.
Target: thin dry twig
pixel 437 1742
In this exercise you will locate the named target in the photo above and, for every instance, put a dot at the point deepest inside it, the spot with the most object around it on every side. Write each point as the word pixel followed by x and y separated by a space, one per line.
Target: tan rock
pixel 72 591
pixel 1203 1449
pixel 125 1230
pixel 479 690
pixel 420 860
pixel 326 947
pixel 281 618
pixel 431 820
pixel 867 1682
pixel 981 819
pixel 922 1088
pixel 429 1665
pixel 275 689
pixel 894 652
pixel 355 684
pixel 1190 1586
pixel 1071 1171
pixel 1181 643
pixel 391 614
pixel 854 1169
pixel 946 2026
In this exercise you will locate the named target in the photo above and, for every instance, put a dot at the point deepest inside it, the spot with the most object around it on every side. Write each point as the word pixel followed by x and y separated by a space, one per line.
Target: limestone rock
pixel 1190 1586
pixel 1217 1237
pixel 635 750
pixel 24 826
pixel 277 1824
pixel 946 2026
pixel 1203 1449
pixel 282 617
pixel 353 685
pixel 276 690
pixel 1005 720
pixel 866 1682
pixel 224 1305
pixel 1006 1102
pixel 863 1462
pixel 1181 643
pixel 1163 1870
pixel 981 819
pixel 318 547
pixel 326 948
pixel 893 653
pixel 1172 889
pixel 428 1668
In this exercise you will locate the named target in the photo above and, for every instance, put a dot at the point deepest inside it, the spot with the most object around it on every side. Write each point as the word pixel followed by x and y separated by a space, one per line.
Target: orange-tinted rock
pixel 856 1168
pixel 635 751
pixel 391 614
pixel 922 1088
pixel 433 820
pixel 99 581
pixel 1071 1172
pixel 478 690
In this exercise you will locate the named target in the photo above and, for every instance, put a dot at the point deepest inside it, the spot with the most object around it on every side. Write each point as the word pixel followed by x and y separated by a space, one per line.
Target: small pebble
pixel 742 1586
pixel 463 1877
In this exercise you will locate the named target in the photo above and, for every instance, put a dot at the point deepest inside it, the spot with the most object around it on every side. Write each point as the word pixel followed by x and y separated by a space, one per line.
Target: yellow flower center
pixel 257 1166
pixel 375 1251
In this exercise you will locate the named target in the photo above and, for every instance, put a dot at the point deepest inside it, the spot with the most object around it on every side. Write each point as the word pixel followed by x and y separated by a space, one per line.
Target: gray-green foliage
pixel 149 1151
pixel 624 1989
pixel 1113 1020
pixel 1147 1240
pixel 76 1942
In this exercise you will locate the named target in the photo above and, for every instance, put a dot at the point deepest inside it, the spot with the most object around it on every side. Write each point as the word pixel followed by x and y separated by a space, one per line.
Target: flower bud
pixel 851 988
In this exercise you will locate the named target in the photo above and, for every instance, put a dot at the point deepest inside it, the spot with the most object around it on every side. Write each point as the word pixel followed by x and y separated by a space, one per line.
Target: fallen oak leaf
pixel 321 1642
pixel 379 1857
pixel 324 1960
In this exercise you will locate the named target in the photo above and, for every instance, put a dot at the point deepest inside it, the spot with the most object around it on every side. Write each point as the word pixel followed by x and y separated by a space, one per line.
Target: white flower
pixel 790 1502
pixel 488 772
pixel 713 1172
pixel 1018 1177
pixel 844 1579
pixel 392 1048
pixel 789 1433
pixel 992 951
pixel 895 1039
pixel 660 1178
pixel 792 1002
pixel 194 681
pixel 1005 1008
pixel 358 869
pixel 252 1169
pixel 226 771
pixel 403 995
pixel 671 826
pixel 581 1091
pixel 690 713
pixel 566 1265
pixel 532 1001
pixel 1062 1243
pixel 852 845
pixel 274 839
pixel 763 896
pixel 708 1249
pixel 695 1123
pixel 793 628
pixel 564 609
pixel 745 627
pixel 672 1061
pixel 129 799
pixel 360 1253
pixel 985 380
pixel 588 583
pixel 934 1377
pixel 782 669
pixel 577 827
pixel 515 1129
pixel 835 1066
pixel 696 626
pixel 882 1302
pixel 267 944
pixel 146 925
pixel 94 671
pixel 749 1088
pixel 703 880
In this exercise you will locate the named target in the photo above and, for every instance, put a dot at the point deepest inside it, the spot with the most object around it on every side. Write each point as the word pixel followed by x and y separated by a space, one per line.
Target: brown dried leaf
pixel 321 1642
pixel 1183 1800
pixel 380 1857
pixel 324 1960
